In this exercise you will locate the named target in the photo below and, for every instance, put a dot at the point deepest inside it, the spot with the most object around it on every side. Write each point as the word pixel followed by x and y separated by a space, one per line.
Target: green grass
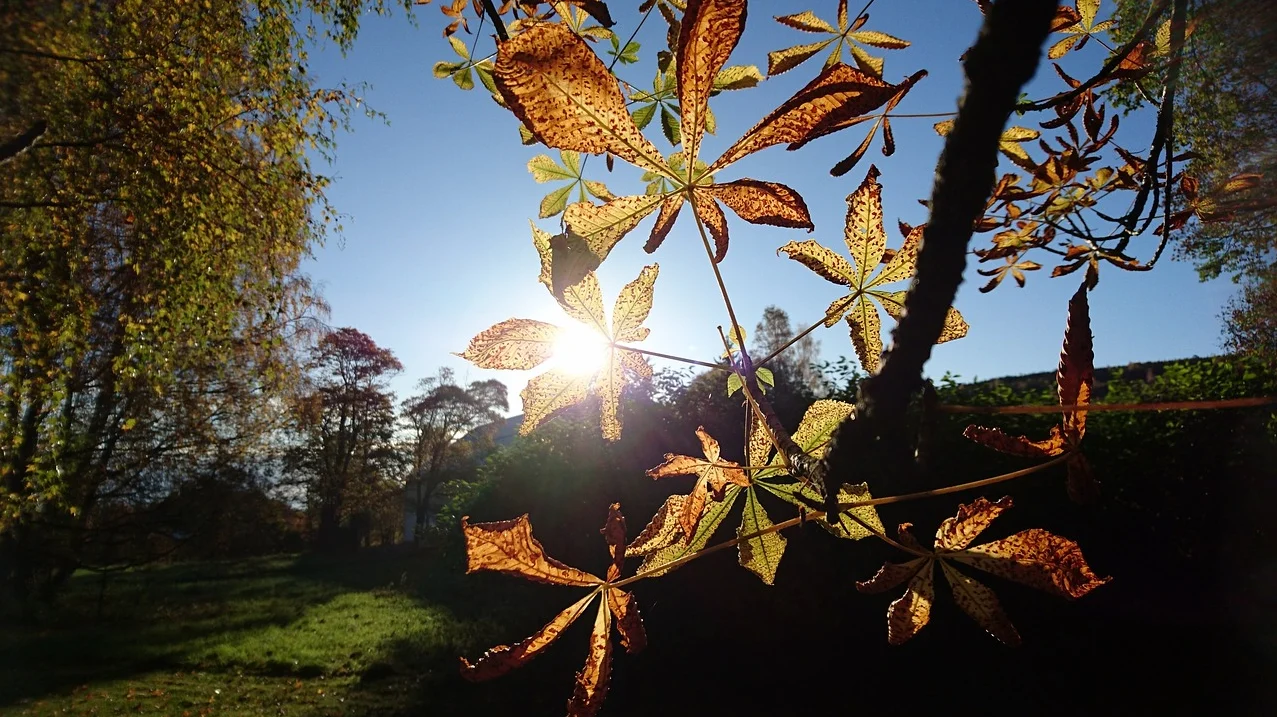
pixel 368 634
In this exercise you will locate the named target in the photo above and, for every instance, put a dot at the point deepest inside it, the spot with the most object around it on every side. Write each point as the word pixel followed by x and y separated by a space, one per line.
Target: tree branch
pixel 1003 59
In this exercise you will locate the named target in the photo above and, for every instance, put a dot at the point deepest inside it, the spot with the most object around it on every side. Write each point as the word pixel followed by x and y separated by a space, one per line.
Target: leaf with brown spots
pixel 835 100
pixel 522 343
pixel 501 659
pixel 763 203
pixel 712 474
pixel 911 612
pixel 508 546
pixel 709 33
pixel 866 241
pixel 981 603
pixel 592 680
pixel 1032 557
pixel 512 344
pixel 563 93
pixel 628 621
pixel 662 531
pixel 1075 379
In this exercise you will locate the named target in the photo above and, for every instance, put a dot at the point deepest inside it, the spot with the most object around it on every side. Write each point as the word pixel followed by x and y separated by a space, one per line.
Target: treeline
pixel 1187 498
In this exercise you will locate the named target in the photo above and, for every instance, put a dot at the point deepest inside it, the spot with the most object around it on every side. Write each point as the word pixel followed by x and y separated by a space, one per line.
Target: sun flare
pixel 579 350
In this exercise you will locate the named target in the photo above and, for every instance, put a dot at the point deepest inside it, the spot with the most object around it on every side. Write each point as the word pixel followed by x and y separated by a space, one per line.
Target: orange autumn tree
pixel 1077 194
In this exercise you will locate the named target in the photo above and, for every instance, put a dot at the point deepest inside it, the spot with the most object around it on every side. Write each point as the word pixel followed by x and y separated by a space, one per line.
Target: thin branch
pixel 1109 407
pixel 1003 59
pixel 671 357
pixel 783 525
pixel 791 342
pixel 1106 70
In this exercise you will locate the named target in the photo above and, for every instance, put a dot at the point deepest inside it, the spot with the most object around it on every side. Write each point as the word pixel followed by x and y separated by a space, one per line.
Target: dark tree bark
pixel 1003 59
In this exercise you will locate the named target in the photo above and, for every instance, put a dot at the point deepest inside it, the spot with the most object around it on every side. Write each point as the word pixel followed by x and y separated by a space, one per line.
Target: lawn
pixel 378 633
pixel 367 634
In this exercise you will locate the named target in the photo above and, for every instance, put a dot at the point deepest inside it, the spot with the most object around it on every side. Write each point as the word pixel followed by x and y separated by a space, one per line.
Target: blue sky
pixel 437 246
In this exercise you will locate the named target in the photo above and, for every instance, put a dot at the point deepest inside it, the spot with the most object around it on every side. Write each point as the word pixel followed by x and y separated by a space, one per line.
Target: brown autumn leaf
pixel 712 474
pixel 662 531
pixel 1075 378
pixel 1032 557
pixel 562 92
pixel 501 659
pixel 524 344
pixel 866 241
pixel 508 546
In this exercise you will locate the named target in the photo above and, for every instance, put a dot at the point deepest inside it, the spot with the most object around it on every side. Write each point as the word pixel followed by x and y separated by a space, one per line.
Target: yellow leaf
pixel 822 260
pixel 633 304
pixel 865 237
pixel 710 31
pixel 779 61
pixel 866 333
pixel 550 392
pixel 583 301
pixel 806 21
pixel 759 554
pixel 602 226
pixel 508 547
pixel 563 93
pixel 512 344
pixel 879 39
pixel 978 601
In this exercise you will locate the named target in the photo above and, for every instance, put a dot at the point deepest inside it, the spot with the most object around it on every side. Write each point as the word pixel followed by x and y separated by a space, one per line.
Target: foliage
pixel 437 419
pixel 567 98
pixel 1224 114
pixel 344 454
pixel 153 308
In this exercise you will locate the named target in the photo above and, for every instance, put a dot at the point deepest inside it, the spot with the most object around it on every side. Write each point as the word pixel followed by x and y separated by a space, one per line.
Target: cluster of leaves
pixel 568 98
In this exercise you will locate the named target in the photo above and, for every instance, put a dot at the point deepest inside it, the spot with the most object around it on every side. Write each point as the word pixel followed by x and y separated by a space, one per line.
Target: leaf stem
pixel 783 525
pixel 1106 407
pixel 671 357
pixel 791 342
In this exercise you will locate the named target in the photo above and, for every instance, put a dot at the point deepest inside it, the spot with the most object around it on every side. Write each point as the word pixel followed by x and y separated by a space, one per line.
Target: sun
pixel 579 350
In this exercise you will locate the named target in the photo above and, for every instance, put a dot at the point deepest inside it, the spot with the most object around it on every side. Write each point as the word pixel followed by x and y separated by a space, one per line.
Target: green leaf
pixel 464 79
pixel 670 126
pixel 555 202
pixel 643 115
pixel 734 383
pixel 545 169
pixel 737 77
pixel 759 554
pixel 711 519
pixel 765 376
pixel 459 47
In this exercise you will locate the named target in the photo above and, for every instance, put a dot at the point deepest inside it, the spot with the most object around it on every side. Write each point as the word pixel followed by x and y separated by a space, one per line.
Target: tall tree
pixel 797 359
pixel 1225 111
pixel 437 419
pixel 156 199
pixel 344 456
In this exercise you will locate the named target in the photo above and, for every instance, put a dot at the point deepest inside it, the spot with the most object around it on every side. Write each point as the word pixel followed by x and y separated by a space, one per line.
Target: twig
pixel 1003 59
pixel 671 357
pixel 1108 407
pixel 783 525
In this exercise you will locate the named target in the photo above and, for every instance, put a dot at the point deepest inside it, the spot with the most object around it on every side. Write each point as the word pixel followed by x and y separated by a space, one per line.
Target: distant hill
pixel 1137 371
